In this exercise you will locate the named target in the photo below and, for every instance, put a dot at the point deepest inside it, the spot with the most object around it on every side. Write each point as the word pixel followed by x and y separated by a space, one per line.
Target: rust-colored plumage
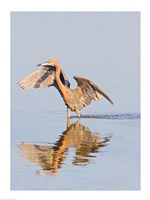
pixel 52 75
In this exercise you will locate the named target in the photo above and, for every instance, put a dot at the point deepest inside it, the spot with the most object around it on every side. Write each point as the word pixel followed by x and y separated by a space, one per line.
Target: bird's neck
pixel 62 88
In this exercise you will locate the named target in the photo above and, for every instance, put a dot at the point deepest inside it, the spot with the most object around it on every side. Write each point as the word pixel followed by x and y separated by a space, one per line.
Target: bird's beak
pixel 39 65
pixel 43 64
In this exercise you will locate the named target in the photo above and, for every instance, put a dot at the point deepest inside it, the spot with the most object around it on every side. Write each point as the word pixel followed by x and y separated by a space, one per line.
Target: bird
pixel 51 74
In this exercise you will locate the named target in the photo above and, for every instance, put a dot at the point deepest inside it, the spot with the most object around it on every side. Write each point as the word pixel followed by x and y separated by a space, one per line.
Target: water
pixel 101 151
pixel 85 154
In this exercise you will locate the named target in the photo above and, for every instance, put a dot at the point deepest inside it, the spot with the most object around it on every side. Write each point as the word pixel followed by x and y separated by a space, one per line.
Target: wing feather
pixel 39 79
pixel 90 90
pixel 43 78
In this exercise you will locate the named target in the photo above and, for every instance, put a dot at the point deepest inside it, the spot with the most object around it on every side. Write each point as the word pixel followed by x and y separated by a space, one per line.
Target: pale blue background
pixel 104 47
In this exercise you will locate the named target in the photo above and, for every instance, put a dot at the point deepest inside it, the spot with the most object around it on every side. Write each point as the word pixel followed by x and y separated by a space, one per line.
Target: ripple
pixel 123 116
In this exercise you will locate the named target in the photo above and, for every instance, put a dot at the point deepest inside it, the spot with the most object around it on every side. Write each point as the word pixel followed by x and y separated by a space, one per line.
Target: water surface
pixel 85 154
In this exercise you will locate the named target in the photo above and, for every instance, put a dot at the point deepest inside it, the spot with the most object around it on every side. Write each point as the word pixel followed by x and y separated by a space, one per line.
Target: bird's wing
pixel 90 91
pixel 43 78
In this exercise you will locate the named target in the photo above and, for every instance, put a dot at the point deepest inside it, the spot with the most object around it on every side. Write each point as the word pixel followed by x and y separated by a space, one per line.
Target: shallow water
pixel 87 154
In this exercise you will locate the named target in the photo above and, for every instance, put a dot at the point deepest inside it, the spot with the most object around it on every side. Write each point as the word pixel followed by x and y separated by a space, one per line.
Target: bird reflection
pixel 51 158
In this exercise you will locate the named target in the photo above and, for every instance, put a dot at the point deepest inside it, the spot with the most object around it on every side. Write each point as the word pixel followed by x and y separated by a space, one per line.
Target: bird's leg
pixel 68 112
pixel 78 113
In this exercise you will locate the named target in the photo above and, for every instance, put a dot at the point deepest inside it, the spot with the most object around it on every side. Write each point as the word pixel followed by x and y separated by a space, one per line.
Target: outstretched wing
pixel 43 78
pixel 90 91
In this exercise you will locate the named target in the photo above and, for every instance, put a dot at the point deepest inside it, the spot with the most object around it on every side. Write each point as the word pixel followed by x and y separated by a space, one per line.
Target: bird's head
pixel 51 62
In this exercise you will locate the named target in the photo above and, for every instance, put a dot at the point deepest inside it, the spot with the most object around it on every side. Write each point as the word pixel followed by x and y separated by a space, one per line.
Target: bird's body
pixel 52 75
